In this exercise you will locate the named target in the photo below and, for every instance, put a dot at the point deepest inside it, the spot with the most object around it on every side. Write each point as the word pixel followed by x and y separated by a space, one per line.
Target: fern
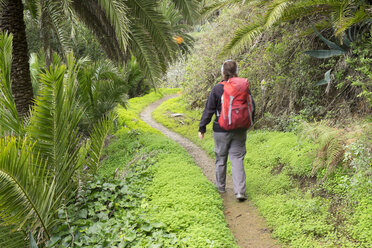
pixel 331 145
pixel 330 154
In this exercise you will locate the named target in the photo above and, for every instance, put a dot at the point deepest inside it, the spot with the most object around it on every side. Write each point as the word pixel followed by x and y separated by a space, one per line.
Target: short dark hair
pixel 229 69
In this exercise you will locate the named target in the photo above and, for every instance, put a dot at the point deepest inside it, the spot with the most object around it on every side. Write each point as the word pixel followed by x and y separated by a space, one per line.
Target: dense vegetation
pixel 57 109
pixel 68 70
pixel 144 195
pixel 285 80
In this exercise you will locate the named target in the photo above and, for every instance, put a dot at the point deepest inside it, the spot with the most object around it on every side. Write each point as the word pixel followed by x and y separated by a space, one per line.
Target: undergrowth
pixel 148 193
pixel 313 187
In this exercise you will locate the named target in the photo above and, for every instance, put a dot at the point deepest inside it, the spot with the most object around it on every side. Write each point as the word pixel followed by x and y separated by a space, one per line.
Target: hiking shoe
pixel 241 197
pixel 222 190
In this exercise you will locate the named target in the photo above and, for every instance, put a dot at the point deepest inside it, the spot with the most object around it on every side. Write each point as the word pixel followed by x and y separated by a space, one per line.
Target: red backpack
pixel 236 104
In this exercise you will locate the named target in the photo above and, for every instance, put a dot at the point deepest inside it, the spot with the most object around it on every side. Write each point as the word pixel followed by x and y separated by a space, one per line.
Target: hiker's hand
pixel 201 135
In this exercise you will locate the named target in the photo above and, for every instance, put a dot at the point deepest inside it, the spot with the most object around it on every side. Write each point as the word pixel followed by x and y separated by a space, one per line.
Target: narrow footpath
pixel 244 221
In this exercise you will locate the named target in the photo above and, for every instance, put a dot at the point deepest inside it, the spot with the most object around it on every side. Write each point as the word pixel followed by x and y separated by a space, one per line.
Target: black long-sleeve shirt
pixel 213 106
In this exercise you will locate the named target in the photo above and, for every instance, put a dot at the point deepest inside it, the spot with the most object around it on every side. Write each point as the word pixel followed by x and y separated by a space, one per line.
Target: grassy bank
pixel 305 185
pixel 149 193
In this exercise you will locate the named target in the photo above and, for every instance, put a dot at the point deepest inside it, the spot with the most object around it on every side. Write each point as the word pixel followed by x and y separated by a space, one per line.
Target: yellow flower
pixel 179 40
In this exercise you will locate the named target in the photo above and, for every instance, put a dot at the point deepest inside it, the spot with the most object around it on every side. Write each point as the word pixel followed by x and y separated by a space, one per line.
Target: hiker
pixel 229 140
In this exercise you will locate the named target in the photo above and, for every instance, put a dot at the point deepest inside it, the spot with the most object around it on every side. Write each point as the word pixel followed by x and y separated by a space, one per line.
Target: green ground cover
pixel 148 193
pixel 303 207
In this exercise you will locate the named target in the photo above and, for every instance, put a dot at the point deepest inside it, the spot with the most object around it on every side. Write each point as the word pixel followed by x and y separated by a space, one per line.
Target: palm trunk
pixel 11 19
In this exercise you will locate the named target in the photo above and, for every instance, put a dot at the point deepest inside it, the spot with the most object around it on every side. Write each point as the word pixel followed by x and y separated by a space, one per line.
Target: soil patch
pixel 244 221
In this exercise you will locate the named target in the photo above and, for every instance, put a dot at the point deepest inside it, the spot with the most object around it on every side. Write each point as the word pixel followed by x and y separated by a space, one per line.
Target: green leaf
pixel 53 241
pixel 147 228
pixel 102 216
pixel 158 225
pixel 326 80
pixel 96 228
pixel 32 240
pixel 323 54
pixel 130 236
pixel 83 213
pixel 329 43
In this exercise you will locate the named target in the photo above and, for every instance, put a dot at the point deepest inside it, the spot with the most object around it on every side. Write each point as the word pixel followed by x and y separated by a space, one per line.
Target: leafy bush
pixel 359 65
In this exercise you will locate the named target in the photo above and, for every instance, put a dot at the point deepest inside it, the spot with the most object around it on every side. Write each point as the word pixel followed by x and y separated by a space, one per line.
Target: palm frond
pixel 144 15
pixel 53 26
pixel 101 88
pixel 33 7
pixel 59 25
pixel 54 122
pixel 116 12
pixel 276 11
pixel 132 71
pixel 85 78
pixel 331 153
pixel 10 238
pixel 97 141
pixel 189 9
pixel 37 66
pixel 244 37
pixel 359 17
pixel 143 49
pixel 94 17
pixel 210 9
pixel 217 5
pixel 27 189
pixel 9 122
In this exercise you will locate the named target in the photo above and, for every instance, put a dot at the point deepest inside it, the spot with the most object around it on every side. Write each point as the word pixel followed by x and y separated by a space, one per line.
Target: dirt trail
pixel 244 221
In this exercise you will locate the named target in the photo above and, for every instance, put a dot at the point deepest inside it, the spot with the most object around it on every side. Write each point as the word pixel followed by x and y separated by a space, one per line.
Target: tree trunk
pixel 11 19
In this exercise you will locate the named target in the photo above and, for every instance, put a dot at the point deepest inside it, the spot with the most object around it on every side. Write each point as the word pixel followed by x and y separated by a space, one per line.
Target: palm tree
pixel 11 20
pixel 40 159
pixel 122 27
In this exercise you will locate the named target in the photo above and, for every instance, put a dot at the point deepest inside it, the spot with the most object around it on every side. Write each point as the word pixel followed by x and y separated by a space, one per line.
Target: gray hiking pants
pixel 230 144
